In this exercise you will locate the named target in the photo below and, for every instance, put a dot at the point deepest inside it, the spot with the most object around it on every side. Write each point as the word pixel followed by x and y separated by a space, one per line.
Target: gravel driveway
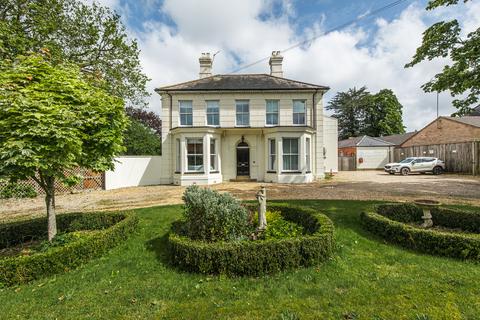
pixel 354 185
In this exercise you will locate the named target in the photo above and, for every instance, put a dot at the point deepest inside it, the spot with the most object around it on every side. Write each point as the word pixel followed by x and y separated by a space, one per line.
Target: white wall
pixel 330 139
pixel 373 157
pixel 133 171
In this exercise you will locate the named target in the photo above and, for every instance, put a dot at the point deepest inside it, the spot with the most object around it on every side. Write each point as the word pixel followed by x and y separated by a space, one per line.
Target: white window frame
pixel 307 154
pixel 180 113
pixel 290 154
pixel 272 155
pixel 213 155
pixel 299 113
pixel 207 113
pixel 237 102
pixel 272 113
pixel 195 155
pixel 178 160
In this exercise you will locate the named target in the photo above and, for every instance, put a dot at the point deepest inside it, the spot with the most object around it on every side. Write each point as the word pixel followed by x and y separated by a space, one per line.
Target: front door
pixel 243 159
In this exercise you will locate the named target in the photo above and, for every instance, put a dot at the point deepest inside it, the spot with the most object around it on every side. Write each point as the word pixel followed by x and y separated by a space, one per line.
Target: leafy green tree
pixel 383 116
pixel 349 108
pixel 92 36
pixel 444 39
pixel 54 119
pixel 141 140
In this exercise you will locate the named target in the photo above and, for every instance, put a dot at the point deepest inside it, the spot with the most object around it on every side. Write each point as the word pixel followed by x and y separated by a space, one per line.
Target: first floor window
pixel 178 159
pixel 186 113
pixel 290 154
pixel 242 113
pixel 213 155
pixel 195 155
pixel 307 153
pixel 271 154
pixel 272 112
pixel 299 111
pixel 213 113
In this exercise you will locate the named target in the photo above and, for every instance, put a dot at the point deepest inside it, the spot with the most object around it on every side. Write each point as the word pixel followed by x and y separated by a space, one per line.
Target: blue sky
pixel 173 33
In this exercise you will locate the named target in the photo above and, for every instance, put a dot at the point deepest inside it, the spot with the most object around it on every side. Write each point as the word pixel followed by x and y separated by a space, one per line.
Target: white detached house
pixel 245 127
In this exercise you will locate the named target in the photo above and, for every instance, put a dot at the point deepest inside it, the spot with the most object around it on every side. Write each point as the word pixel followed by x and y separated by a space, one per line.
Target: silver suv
pixel 416 164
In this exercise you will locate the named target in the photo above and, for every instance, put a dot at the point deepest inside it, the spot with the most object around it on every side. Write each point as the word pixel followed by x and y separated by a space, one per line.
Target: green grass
pixel 366 279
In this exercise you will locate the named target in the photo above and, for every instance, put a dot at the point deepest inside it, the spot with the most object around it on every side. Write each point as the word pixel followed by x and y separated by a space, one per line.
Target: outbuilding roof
pixel 364 141
pixel 470 120
pixel 242 82
pixel 398 139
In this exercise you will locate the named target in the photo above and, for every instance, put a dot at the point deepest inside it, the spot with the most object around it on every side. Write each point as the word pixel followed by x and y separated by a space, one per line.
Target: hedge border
pixel 22 269
pixel 448 244
pixel 260 257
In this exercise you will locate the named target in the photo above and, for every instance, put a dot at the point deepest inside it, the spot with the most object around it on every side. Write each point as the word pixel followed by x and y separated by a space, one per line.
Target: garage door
pixel 373 157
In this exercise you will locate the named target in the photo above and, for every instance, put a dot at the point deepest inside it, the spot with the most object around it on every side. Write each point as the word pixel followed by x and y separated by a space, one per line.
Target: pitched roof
pixel 398 139
pixel 470 120
pixel 475 112
pixel 234 82
pixel 364 141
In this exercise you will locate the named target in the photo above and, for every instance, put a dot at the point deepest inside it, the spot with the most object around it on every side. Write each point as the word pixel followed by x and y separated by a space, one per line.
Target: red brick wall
pixel 347 151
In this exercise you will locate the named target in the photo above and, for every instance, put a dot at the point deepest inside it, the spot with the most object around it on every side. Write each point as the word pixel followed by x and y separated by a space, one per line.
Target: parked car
pixel 416 164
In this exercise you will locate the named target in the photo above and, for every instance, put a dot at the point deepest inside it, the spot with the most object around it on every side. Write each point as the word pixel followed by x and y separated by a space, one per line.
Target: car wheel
pixel 405 171
pixel 392 173
pixel 437 170
pixel 422 172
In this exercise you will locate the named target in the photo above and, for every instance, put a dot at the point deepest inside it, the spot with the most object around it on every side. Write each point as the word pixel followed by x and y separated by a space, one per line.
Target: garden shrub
pixel 457 219
pixel 17 190
pixel 212 216
pixel 261 256
pixel 401 212
pixel 280 228
pixel 431 241
pixel 74 252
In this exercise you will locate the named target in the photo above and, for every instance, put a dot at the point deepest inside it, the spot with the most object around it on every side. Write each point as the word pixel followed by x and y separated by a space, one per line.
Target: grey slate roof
pixel 364 141
pixel 235 82
pixel 470 120
pixel 475 112
pixel 398 139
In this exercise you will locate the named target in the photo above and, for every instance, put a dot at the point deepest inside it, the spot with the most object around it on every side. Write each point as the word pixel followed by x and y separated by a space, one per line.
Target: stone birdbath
pixel 426 206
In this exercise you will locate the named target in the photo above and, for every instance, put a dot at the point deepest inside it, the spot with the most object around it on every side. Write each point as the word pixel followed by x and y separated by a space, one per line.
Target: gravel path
pixel 359 185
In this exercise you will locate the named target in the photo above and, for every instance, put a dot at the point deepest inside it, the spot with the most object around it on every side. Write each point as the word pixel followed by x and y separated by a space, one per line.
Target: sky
pixel 371 52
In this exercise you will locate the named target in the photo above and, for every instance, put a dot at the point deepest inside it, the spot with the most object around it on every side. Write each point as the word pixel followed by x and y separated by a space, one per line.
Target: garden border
pixel 22 269
pixel 260 257
pixel 449 244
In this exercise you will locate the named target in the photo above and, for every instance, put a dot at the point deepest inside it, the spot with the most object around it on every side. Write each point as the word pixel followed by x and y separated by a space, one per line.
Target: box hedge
pixel 112 228
pixel 261 256
pixel 450 244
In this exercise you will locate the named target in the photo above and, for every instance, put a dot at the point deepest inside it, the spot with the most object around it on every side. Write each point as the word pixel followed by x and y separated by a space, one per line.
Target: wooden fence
pixel 459 157
pixel 347 163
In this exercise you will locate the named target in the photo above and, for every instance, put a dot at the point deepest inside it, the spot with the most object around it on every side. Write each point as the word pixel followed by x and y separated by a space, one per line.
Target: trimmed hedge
pixel 449 244
pixel 401 212
pixel 457 219
pixel 261 256
pixel 112 228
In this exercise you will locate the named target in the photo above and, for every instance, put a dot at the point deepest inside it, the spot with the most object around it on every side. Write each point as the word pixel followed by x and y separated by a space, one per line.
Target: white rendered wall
pixel 330 138
pixel 134 171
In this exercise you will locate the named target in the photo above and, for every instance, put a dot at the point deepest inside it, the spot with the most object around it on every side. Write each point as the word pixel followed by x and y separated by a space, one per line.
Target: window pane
pixel 212 106
pixel 293 145
pixel 212 162
pixel 272 106
pixel 298 106
pixel 272 146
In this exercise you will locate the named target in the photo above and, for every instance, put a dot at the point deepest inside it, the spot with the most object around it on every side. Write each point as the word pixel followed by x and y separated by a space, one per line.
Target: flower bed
pixel 397 223
pixel 110 229
pixel 258 257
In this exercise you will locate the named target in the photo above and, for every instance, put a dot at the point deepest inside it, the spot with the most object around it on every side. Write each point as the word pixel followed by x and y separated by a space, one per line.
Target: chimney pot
pixel 205 65
pixel 275 63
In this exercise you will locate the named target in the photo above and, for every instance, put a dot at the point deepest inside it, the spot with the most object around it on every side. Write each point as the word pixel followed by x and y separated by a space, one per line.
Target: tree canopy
pixel 92 36
pixel 141 140
pixel 361 113
pixel 52 119
pixel 461 77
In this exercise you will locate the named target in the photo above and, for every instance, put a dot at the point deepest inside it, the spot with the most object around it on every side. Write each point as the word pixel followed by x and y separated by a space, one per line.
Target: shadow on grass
pixel 159 245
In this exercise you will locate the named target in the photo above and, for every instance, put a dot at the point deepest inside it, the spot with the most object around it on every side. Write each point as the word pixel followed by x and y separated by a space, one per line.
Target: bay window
pixel 195 155
pixel 290 154
pixel 213 155
pixel 272 154
pixel 307 154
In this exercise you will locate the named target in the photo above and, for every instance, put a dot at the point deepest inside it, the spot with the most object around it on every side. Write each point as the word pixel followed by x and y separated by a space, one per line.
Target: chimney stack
pixel 205 65
pixel 276 64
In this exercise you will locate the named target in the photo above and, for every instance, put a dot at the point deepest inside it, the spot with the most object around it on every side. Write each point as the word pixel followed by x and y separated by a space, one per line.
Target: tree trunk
pixel 50 202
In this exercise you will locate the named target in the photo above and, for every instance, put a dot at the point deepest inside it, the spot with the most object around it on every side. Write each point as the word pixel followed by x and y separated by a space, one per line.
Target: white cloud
pixel 339 60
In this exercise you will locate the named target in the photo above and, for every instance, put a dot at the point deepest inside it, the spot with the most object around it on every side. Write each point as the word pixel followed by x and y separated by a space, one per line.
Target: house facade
pixel 260 127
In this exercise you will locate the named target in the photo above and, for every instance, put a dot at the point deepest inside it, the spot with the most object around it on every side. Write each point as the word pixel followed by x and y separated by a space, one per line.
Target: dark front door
pixel 243 159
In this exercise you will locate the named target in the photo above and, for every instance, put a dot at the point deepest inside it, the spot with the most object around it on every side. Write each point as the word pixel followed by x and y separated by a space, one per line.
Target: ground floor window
pixel 213 155
pixel 290 154
pixel 178 158
pixel 272 154
pixel 307 153
pixel 195 155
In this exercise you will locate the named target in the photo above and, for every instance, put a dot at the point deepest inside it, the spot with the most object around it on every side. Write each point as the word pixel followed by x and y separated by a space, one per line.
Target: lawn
pixel 366 279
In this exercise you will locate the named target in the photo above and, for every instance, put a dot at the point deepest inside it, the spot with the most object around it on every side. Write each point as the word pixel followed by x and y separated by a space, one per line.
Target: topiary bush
pixel 261 256
pixel 110 228
pixel 391 227
pixel 212 216
pixel 402 212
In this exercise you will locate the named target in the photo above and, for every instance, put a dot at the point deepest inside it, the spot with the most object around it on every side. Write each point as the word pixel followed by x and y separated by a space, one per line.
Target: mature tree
pixel 91 36
pixel 462 76
pixel 147 118
pixel 54 119
pixel 383 116
pixel 141 140
pixel 349 108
